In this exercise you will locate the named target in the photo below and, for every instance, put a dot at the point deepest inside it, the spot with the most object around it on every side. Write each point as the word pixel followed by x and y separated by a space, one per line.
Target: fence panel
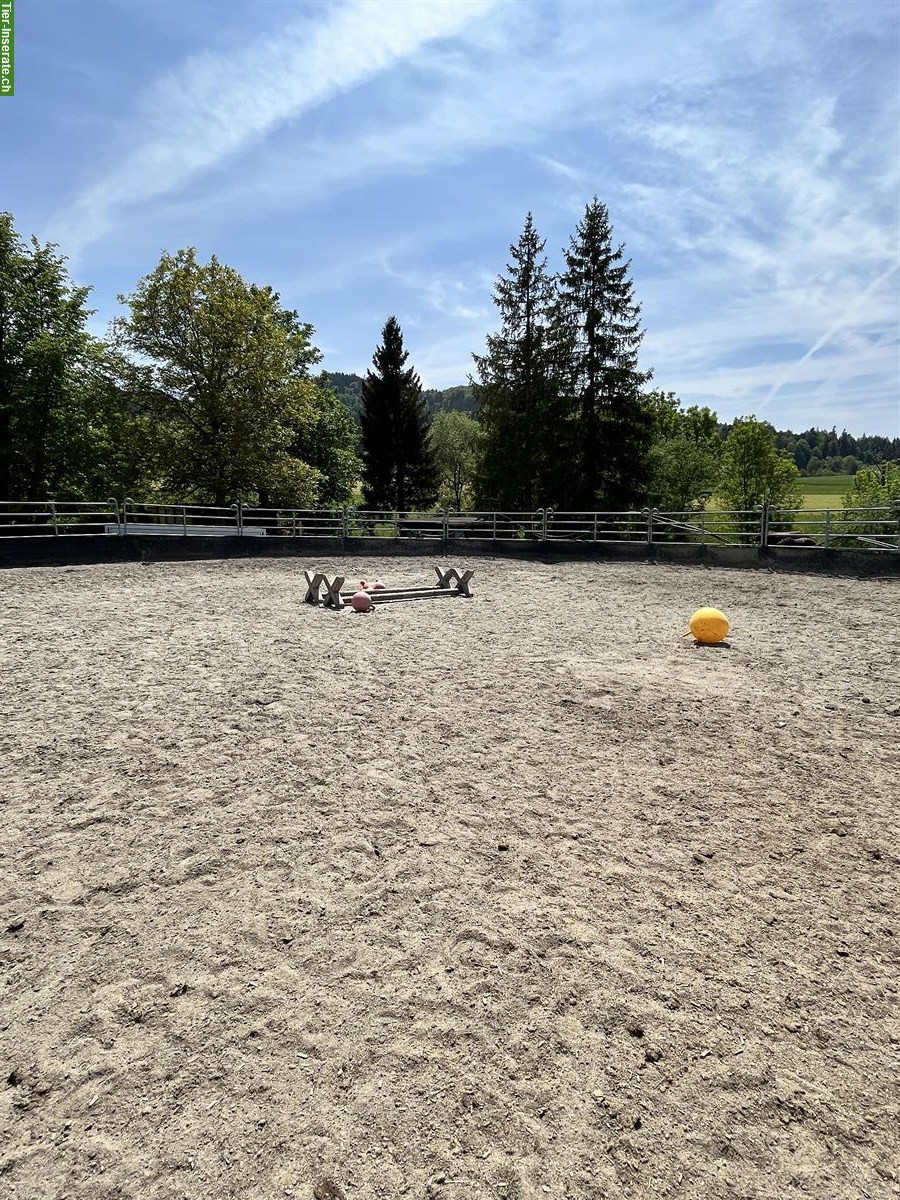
pixel 291 522
pixel 866 529
pixel 57 518
pixel 174 520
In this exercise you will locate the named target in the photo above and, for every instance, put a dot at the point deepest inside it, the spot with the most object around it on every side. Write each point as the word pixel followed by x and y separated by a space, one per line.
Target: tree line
pixel 819 452
pixel 205 391
pixel 209 390
pixel 816 452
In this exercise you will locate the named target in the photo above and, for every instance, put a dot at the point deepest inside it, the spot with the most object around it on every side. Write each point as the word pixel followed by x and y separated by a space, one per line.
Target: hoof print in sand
pixel 327 1189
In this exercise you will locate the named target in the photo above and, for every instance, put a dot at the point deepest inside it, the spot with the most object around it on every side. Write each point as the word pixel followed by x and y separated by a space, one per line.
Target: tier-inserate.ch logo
pixel 7 42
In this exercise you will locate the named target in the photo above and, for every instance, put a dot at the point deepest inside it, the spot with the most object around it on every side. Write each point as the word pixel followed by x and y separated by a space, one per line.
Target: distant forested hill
pixel 349 391
pixel 827 452
pixel 815 451
pixel 452 399
pixel 347 388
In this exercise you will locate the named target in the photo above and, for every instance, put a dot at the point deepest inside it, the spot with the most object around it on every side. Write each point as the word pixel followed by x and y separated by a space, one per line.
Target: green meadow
pixel 825 491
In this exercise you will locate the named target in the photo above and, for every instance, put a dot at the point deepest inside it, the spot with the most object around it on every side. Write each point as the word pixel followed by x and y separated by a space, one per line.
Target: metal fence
pixel 58 518
pixel 875 530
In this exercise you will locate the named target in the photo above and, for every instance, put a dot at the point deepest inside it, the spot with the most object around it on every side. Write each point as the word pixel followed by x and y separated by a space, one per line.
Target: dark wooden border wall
pixel 35 552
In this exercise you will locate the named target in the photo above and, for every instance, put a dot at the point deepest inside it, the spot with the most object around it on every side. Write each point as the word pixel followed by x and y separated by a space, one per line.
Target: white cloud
pixel 753 177
pixel 841 325
pixel 215 105
pixel 446 294
pixel 785 230
pixel 572 174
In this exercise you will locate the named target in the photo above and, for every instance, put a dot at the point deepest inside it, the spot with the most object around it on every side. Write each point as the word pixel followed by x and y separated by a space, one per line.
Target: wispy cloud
pixel 781 220
pixel 505 87
pixel 215 105
pixel 573 174
pixel 447 294
pixel 844 322
pixel 747 153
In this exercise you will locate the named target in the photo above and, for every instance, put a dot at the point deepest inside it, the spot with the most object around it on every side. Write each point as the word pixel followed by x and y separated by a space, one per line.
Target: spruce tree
pixel 516 386
pixel 597 336
pixel 399 471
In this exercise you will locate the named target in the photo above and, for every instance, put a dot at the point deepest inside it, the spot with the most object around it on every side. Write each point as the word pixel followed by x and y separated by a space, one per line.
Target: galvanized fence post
pixel 826 538
pixel 114 505
pixel 542 513
pixel 446 526
pixel 184 520
pixel 649 526
pixel 494 529
pixel 764 527
pixel 53 518
pixel 345 523
pixel 128 500
pixel 595 527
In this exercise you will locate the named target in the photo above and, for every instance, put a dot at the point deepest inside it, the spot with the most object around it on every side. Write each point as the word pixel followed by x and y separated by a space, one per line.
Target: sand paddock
pixel 515 897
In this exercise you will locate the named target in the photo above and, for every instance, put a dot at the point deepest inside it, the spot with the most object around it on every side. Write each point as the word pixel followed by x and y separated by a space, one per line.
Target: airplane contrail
pixel 826 337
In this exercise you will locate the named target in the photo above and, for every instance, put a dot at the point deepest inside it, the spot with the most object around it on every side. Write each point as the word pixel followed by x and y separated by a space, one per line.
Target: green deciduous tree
pixel 112 445
pixel 455 441
pixel 874 487
pixel 685 456
pixel 228 372
pixel 754 471
pixel 326 437
pixel 43 338
pixel 399 471
pixel 597 336
pixel 516 391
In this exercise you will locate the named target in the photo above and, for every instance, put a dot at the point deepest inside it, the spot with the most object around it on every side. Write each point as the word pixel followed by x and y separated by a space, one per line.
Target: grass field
pixel 825 491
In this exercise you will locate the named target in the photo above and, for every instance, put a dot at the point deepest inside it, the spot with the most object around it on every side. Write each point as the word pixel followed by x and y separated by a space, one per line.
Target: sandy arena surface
pixel 514 897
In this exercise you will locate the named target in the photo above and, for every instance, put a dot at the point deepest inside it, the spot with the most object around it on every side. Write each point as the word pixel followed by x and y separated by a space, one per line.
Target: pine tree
pixel 399 471
pixel 597 336
pixel 379 403
pixel 515 391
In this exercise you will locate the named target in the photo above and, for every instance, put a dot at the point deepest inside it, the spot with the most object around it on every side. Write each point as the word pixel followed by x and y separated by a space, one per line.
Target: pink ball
pixel 378 586
pixel 361 602
pixel 363 586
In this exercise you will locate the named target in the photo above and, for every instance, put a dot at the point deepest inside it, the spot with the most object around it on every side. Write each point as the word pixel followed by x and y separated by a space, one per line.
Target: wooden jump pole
pixel 431 594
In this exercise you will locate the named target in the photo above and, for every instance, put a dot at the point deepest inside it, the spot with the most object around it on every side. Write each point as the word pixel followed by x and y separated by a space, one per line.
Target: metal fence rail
pixel 875 530
pixel 844 528
pixel 159 520
pixel 58 518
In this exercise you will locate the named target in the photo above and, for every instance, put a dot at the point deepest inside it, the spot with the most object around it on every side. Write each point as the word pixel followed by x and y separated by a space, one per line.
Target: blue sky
pixel 369 157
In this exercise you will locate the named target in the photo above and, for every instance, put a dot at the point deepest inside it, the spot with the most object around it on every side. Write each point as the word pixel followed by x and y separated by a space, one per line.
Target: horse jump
pixel 337 593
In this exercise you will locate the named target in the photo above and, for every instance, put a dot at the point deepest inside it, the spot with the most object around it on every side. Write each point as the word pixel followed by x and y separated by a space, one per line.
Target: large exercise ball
pixel 361 602
pixel 709 626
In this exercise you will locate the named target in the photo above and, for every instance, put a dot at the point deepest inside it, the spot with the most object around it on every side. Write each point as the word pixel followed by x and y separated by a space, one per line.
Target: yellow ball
pixel 709 626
